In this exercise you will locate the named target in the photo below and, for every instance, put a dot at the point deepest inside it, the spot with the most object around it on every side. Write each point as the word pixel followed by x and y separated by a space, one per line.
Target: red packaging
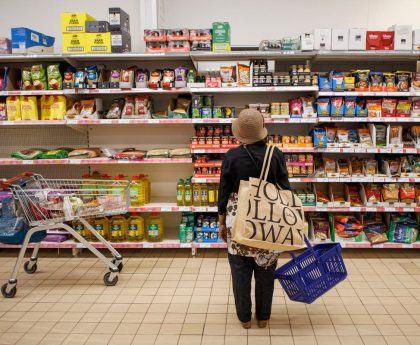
pixel 373 40
pixel 387 40
pixel 388 107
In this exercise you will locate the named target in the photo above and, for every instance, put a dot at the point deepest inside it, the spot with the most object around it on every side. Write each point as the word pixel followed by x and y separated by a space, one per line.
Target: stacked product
pixel 207 228
pixel 196 194
pixel 119 25
pixel 186 233
pixel 203 107
pixel 177 40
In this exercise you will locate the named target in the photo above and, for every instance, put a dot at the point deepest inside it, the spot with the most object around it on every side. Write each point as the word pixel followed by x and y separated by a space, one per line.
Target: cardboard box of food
pixel 374 40
pixel 120 42
pixel 26 40
pixel 340 39
pixel 307 42
pixel 357 39
pixel 99 42
pixel 74 22
pixel 74 43
pixel 5 46
pixel 221 36
pixel 119 20
pixel 403 37
pixel 322 40
pixel 97 26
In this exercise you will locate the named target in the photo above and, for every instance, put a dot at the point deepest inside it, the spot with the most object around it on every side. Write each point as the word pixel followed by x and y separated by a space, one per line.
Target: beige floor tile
pixel 98 339
pixel 351 340
pixel 53 339
pixel 149 328
pixel 324 330
pixel 414 340
pixel 397 340
pixel 302 330
pixel 341 319
pixel 189 340
pixel 327 340
pixel 345 330
pixel 259 340
pixel 241 340
pixel 276 329
pixel 133 318
pixel 235 329
pixel 192 328
pixel 410 330
pixel 374 340
pixel 127 328
pixel 172 328
pixel 213 340
pixel 30 339
pixel 63 327
pixel 304 340
pixel 367 330
pixel 75 339
pixel 389 330
pixel 167 339
pixel 383 320
pixel 106 328
pixel 214 329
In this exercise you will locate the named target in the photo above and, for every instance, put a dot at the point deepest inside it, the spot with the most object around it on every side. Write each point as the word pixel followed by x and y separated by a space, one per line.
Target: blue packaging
pixel 206 112
pixel 319 135
pixel 337 106
pixel 337 81
pixel 323 106
pixel 324 83
pixel 26 40
pixel 361 109
pixel 350 106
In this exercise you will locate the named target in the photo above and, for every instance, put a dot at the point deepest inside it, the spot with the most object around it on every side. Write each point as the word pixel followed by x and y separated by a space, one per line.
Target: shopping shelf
pixel 175 244
pixel 93 161
pixel 325 150
pixel 350 179
pixel 370 93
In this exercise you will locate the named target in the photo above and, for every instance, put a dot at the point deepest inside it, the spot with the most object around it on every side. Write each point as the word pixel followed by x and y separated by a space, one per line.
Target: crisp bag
pixel 267 216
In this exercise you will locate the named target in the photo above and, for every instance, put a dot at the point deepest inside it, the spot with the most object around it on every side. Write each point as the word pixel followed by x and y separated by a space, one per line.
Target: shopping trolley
pixel 51 203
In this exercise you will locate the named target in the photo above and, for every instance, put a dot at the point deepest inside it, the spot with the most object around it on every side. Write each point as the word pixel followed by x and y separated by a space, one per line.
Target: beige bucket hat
pixel 249 128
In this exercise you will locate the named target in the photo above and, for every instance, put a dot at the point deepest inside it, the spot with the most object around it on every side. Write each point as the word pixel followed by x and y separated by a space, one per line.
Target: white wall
pixel 254 20
pixel 44 16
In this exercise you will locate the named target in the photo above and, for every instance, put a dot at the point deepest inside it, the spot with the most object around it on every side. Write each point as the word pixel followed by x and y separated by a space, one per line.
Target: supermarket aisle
pixel 168 297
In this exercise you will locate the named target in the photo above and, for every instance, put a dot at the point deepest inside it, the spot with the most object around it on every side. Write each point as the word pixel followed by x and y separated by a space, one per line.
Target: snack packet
pixel 244 75
pixel 323 106
pixel 403 108
pixel 388 107
pixel 26 79
pixel 55 82
pixel 13 108
pixel 38 76
pixel 374 108
pixel 28 108
pixel 350 106
pixel 337 106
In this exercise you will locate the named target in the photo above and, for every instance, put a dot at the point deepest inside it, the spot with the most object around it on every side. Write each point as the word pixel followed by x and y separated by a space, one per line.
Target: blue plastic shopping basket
pixel 313 272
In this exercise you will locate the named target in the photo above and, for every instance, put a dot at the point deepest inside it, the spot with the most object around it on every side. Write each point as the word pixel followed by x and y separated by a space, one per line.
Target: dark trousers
pixel 242 268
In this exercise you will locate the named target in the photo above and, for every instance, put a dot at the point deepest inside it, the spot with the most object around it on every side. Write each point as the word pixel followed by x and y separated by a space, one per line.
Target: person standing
pixel 241 163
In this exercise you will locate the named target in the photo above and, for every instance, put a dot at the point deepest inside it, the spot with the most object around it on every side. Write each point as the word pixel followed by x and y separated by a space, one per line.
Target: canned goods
pixel 275 108
pixel 209 141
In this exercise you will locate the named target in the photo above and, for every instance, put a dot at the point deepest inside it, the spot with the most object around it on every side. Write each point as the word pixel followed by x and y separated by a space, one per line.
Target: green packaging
pixel 221 36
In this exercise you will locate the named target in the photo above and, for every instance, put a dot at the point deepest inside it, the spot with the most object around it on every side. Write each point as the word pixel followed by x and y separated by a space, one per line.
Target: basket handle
pixel 6 184
pixel 308 245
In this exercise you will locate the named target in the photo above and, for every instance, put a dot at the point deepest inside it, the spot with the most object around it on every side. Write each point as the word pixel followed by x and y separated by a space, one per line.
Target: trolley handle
pixel 6 184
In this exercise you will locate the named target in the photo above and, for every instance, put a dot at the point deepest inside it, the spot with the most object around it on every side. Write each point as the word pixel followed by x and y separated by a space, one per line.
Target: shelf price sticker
pixel 185 245
pixel 148 245
pixel 166 209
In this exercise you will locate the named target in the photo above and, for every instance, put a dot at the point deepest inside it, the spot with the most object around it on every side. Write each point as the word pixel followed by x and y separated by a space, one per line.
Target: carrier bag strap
pixel 269 159
pixel 265 161
pixel 250 156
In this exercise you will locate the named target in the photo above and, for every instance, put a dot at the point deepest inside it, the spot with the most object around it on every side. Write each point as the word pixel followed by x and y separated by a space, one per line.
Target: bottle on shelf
pixel 180 193
pixel 188 193
pixel 204 195
pixel 154 228
pixel 196 195
pixel 147 187
pixel 80 228
pixel 101 225
pixel 212 195
pixel 135 228
pixel 117 189
pixel 118 228
pixel 183 233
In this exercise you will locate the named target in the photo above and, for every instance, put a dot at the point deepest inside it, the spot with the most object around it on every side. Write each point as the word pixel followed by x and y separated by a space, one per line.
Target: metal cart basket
pixel 52 204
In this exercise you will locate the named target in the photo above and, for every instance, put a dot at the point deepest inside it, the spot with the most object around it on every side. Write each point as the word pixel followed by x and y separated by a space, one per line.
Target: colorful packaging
pixel 361 109
pixel 350 106
pixel 28 108
pixel 388 107
pixel 13 108
pixel 337 106
pixel 323 106
pixel 403 108
pixel 374 108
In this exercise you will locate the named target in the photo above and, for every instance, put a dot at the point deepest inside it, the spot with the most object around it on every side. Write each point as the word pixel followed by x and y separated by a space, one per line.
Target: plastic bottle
pixel 180 193
pixel 182 233
pixel 204 195
pixel 212 195
pixel 117 189
pixel 188 193
pixel 118 227
pixel 135 191
pixel 148 189
pixel 81 230
pixel 101 225
pixel 154 228
pixel 196 195
pixel 135 228
pixel 88 188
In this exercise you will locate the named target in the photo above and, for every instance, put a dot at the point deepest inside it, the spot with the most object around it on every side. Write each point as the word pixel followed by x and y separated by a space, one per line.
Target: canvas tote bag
pixel 268 217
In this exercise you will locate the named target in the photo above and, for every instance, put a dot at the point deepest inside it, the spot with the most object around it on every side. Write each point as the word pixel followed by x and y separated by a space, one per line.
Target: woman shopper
pixel 242 163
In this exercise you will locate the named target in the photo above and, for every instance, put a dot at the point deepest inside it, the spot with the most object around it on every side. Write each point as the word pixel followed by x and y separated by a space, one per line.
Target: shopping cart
pixel 50 204
pixel 313 272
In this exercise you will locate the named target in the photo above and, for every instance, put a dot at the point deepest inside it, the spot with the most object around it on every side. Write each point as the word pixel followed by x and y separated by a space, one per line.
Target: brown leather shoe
pixel 262 323
pixel 246 325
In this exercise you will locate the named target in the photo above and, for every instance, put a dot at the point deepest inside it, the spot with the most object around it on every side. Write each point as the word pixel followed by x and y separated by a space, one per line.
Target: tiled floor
pixel 168 297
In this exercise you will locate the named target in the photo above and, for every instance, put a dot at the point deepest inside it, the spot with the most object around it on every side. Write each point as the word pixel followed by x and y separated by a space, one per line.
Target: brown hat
pixel 249 128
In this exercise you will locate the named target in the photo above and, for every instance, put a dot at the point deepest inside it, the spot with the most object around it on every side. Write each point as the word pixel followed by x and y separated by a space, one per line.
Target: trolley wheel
pixel 109 282
pixel 10 294
pixel 120 265
pixel 30 270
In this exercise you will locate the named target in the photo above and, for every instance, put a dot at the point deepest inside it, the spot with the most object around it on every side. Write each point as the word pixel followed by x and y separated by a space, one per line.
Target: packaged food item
pixel 84 153
pixel 362 80
pixel 168 79
pixel 374 228
pixel 395 135
pixel 227 74
pixel 143 107
pixel 364 136
pixel 337 81
pixel 116 109
pixel 389 82
pixel 356 166
pixel 373 193
pixel 330 165
pixel 361 109
pixel 347 226
pixel 129 107
pixel 79 79
pixel 244 75
pixel 371 167
pixel 142 78
pixel 39 79
pixel 321 228
pixel 321 197
pixel 376 81
pixel 353 137
pixel 308 108
pixel 331 134
pixel 324 82
pixel 403 80
pixel 354 196
pixel 403 228
pixel 158 153
pixel 87 109
pixel 388 107
pixel 407 193
pixel 127 77
pixel 296 107
pixel 390 192
pixel 155 35
pixel 68 80
pixel 350 106
pixel 91 77
pixel 393 165
pixel 26 79
pixel 73 111
pixel 55 82
pixel 27 154
pixel 3 115
pixel 323 106
pixel 415 109
pixel 374 108
pixel 29 108
pixel 337 106
pixel 54 154
pixel 403 108
pixel 180 153
pixel 380 135
pixel 343 167
pixel 343 135
pixel 320 137
pixel 13 108
pixel 349 82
